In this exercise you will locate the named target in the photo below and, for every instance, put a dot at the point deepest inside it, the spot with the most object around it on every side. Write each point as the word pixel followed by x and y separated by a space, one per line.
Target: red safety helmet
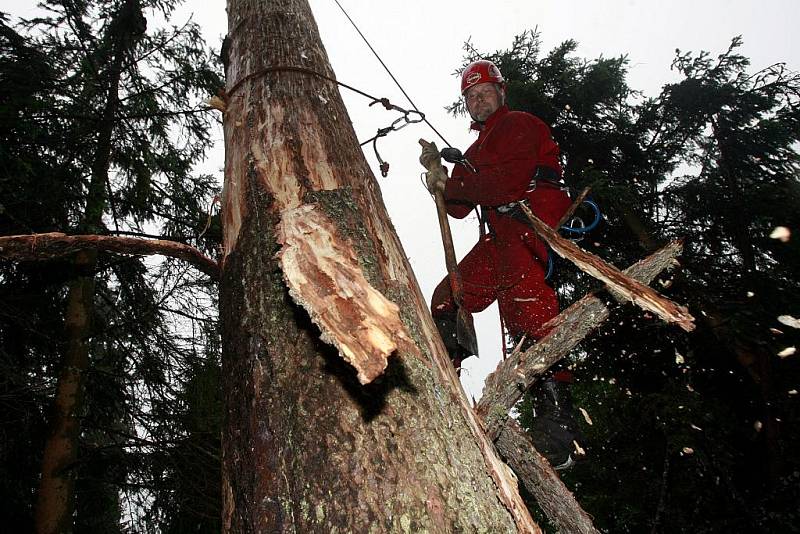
pixel 480 71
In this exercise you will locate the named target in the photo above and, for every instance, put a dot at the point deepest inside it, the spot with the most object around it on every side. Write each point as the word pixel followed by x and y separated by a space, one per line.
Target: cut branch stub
pixel 323 275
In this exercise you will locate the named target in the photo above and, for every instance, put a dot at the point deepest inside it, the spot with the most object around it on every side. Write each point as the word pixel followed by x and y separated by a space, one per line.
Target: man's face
pixel 483 100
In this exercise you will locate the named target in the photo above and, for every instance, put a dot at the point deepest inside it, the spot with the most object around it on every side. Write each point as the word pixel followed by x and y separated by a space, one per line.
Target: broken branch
pixel 627 288
pixel 35 247
pixel 541 480
pixel 514 375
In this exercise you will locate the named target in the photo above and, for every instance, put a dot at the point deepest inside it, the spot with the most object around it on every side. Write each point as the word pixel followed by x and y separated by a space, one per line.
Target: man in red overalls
pixel 514 159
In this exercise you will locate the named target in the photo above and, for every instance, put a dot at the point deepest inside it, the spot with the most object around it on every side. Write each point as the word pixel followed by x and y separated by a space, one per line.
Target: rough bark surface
pixel 306 446
pixel 541 481
pixel 505 386
pixel 56 244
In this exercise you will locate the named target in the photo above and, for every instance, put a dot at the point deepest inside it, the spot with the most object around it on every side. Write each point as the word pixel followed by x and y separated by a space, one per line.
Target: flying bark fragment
pixel 322 272
pixel 781 233
pixel 627 288
pixel 586 416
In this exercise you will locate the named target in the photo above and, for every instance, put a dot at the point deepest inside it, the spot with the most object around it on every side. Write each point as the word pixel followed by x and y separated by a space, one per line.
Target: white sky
pixel 421 42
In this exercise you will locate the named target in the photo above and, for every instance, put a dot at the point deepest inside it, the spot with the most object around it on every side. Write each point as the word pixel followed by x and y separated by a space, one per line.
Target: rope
pixel 291 68
pixel 392 75
pixel 402 121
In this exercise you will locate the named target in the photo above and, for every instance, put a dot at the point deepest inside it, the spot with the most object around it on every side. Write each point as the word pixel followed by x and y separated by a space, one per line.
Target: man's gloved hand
pixel 431 160
pixel 430 154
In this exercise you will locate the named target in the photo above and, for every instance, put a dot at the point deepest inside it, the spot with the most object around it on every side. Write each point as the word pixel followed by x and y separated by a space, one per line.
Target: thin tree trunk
pixel 55 498
pixel 312 443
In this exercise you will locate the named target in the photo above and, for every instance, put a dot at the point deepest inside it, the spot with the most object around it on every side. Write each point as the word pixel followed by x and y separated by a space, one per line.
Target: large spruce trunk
pixel 307 446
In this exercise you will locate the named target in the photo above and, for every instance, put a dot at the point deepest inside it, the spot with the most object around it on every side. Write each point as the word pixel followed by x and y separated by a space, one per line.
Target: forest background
pixel 693 431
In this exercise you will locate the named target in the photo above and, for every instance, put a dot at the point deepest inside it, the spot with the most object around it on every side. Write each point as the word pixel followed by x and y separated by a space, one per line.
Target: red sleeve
pixel 458 209
pixel 506 162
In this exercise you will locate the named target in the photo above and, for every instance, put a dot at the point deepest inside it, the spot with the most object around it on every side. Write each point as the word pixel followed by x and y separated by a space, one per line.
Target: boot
pixel 555 429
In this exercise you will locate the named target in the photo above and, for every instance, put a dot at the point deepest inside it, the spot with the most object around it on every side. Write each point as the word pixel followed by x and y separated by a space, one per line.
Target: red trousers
pixel 525 303
pixel 509 265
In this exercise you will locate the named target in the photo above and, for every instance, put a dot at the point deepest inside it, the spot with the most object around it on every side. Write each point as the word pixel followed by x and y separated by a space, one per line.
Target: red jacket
pixel 509 148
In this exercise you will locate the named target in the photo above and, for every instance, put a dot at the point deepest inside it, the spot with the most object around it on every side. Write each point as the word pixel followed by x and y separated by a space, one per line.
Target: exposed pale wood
pixel 541 481
pixel 323 275
pixel 55 245
pixel 514 375
pixel 629 289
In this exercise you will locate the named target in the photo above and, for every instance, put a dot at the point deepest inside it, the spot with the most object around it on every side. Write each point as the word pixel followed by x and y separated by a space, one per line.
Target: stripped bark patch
pixel 323 275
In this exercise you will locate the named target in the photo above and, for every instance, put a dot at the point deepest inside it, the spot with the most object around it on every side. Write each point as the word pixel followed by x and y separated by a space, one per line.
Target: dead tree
pixel 317 300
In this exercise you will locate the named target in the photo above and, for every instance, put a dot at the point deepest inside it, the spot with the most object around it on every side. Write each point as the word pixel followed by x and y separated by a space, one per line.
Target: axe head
pixel 465 332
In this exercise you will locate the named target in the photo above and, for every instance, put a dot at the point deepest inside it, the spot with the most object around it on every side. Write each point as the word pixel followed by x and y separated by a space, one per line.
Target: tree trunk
pixel 312 443
pixel 55 498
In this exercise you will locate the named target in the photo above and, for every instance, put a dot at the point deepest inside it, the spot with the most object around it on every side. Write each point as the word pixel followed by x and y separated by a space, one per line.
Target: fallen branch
pixel 36 247
pixel 541 480
pixel 514 375
pixel 629 289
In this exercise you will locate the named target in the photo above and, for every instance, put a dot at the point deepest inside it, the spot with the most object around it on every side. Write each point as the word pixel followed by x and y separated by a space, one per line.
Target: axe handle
pixel 449 249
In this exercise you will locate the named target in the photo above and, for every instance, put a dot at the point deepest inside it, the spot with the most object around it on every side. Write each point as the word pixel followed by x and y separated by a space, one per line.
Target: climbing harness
pixel 576 224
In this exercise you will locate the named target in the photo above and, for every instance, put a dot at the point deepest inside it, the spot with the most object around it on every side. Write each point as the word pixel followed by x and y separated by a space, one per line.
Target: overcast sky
pixel 421 42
